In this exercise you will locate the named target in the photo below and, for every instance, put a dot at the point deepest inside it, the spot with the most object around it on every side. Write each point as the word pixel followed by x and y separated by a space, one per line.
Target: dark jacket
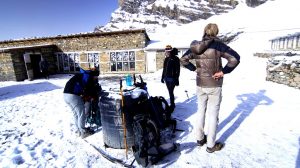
pixel 171 67
pixel 44 65
pixel 207 54
pixel 76 85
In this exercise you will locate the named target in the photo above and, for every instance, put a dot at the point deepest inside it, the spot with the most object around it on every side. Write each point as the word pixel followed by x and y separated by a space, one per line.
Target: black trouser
pixel 171 85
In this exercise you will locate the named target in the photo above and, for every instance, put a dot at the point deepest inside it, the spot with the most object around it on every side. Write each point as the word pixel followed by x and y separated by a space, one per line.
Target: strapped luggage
pixel 147 147
pixel 161 112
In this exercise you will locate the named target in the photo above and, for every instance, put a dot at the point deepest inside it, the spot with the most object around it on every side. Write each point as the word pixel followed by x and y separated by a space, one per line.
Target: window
pixel 282 41
pixel 68 62
pixel 122 61
pixel 290 42
pixel 273 44
pixel 298 41
pixel 93 60
pixel 277 44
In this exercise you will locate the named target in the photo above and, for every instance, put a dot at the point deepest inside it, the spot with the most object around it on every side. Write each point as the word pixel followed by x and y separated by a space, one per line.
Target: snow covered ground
pixel 259 120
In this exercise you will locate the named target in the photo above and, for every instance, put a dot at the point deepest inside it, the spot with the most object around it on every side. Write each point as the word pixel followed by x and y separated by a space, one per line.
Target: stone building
pixel 283 65
pixel 286 43
pixel 117 52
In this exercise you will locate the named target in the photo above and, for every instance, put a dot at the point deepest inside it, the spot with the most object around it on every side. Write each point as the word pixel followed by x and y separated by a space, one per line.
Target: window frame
pixel 122 61
pixel 67 60
pixel 93 59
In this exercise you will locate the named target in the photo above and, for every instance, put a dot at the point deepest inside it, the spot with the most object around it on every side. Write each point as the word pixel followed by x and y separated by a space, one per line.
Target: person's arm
pixel 185 60
pixel 177 70
pixel 233 59
pixel 163 72
pixel 177 67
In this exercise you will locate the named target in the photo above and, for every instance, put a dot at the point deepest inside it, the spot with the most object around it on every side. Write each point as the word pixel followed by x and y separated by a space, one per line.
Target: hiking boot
pixel 202 142
pixel 218 146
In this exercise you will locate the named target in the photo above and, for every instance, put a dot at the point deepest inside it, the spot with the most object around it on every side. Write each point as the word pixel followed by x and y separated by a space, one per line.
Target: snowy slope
pixel 267 21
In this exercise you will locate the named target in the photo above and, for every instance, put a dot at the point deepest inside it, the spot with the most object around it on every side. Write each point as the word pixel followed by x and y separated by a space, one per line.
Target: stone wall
pixel 284 70
pixel 263 55
pixel 160 56
pixel 19 66
pixel 140 62
pixel 7 71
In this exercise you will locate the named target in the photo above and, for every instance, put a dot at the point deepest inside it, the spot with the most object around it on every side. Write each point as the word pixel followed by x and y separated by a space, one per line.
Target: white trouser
pixel 209 100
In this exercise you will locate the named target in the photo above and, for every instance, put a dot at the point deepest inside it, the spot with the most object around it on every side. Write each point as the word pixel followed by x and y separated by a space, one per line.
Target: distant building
pixel 284 64
pixel 286 43
pixel 110 52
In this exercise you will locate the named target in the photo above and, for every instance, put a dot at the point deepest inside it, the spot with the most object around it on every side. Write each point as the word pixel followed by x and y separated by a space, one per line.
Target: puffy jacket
pixel 207 55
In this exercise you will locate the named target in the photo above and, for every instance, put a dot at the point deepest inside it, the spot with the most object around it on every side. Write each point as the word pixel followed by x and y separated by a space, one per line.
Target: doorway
pixel 35 60
pixel 151 61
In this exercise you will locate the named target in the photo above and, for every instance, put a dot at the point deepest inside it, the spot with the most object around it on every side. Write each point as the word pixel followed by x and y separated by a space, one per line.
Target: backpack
pixel 146 140
pixel 79 85
pixel 86 75
pixel 147 148
pixel 161 112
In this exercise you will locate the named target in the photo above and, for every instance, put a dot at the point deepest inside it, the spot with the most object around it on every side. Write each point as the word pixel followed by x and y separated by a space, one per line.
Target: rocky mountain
pixel 153 14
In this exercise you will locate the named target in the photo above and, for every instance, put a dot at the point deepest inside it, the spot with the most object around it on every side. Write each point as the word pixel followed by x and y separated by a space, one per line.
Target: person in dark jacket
pixel 44 65
pixel 78 90
pixel 171 72
pixel 210 72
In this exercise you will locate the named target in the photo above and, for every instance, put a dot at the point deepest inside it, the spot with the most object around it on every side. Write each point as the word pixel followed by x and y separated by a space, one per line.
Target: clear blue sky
pixel 29 18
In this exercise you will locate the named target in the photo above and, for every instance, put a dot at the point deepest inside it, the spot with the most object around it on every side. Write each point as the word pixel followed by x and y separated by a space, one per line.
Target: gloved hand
pixel 176 82
pixel 162 80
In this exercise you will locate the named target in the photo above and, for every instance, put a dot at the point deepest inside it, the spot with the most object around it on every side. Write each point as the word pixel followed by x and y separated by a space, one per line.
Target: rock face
pixel 153 14
pixel 255 3
pixel 284 70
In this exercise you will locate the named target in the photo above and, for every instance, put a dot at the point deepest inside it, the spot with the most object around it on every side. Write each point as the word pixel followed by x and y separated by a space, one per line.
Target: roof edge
pixel 80 35
pixel 23 47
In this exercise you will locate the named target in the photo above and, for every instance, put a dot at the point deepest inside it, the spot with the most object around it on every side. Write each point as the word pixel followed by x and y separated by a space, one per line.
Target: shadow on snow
pixel 298 157
pixel 181 113
pixel 10 92
pixel 248 103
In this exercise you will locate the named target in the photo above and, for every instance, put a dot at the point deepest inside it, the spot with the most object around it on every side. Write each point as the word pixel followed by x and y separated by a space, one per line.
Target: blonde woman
pixel 210 72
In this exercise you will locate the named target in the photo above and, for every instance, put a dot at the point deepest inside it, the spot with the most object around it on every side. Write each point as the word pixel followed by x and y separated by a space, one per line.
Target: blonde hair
pixel 211 30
